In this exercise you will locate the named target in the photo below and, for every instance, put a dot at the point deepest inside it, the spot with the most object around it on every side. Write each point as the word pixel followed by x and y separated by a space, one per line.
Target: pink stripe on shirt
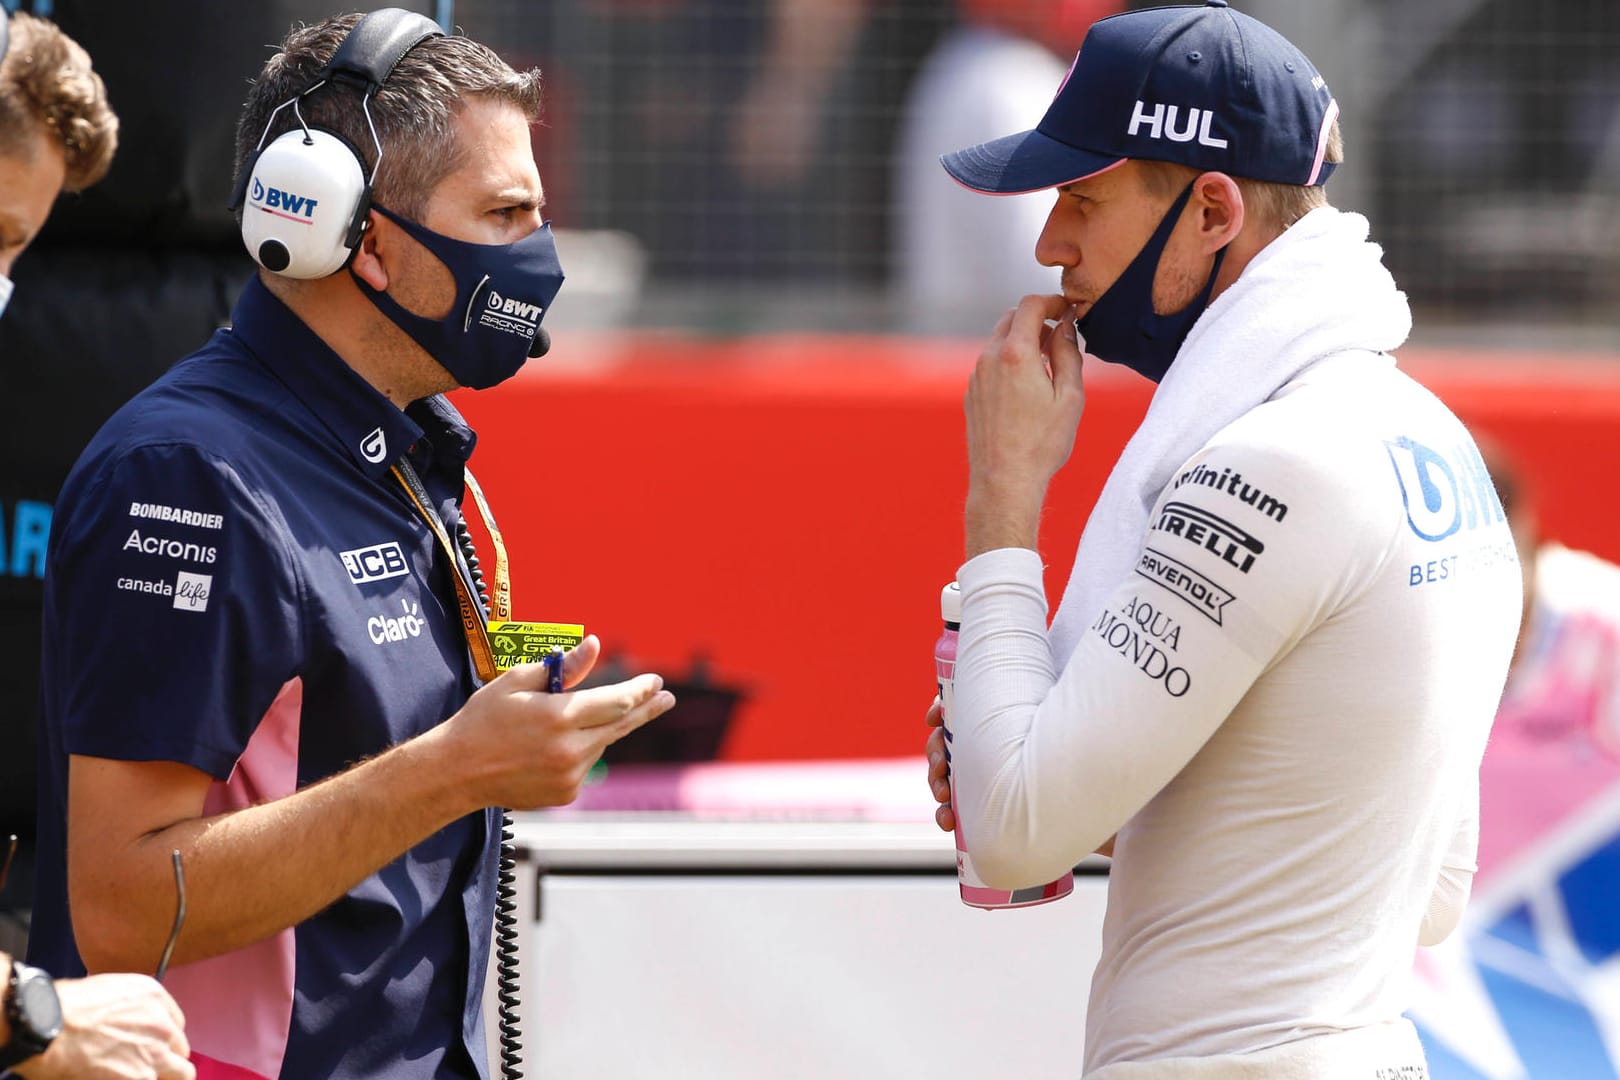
pixel 239 1006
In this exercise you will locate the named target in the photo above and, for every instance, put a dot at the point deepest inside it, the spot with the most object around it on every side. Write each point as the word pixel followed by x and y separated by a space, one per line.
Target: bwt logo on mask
pixel 517 309
pixel 283 203
pixel 1161 123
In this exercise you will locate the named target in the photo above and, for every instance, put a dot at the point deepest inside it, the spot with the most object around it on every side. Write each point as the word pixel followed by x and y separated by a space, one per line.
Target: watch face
pixel 38 1007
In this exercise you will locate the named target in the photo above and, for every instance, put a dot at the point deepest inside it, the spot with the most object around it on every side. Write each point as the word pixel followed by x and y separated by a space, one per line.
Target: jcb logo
pixel 375 563
pixel 283 203
pixel 1161 123
pixel 515 308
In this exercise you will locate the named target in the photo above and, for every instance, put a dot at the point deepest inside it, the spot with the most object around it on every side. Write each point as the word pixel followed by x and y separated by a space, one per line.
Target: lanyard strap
pixel 500 606
pixel 473 625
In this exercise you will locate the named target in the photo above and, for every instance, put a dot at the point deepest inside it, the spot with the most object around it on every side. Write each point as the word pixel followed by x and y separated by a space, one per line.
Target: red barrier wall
pixel 788 507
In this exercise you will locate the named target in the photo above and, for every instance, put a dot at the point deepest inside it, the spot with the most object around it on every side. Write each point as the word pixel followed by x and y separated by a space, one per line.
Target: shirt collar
pixel 371 428
pixel 447 432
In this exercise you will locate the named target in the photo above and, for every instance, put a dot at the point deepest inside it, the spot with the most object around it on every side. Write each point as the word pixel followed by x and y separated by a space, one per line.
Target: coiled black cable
pixel 507 985
pixel 506 956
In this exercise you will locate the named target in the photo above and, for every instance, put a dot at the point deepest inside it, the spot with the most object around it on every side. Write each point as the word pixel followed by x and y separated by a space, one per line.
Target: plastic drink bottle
pixel 976 893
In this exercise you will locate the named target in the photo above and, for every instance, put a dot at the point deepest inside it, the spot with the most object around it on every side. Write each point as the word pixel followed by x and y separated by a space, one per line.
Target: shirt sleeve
pixel 171 604
pixel 1455 882
pixel 1235 566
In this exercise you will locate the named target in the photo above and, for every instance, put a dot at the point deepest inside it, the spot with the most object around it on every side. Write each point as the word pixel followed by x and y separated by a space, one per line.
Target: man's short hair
pixel 1273 205
pixel 413 111
pixel 47 85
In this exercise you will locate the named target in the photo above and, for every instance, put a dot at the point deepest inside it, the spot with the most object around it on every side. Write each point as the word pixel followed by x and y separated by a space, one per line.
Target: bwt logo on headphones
pixel 285 204
pixel 517 309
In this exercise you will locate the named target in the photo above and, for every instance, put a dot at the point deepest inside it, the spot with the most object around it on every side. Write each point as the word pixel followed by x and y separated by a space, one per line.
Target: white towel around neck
pixel 1317 290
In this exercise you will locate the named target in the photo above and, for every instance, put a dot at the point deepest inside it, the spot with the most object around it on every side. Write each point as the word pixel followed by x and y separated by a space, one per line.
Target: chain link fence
pixel 736 164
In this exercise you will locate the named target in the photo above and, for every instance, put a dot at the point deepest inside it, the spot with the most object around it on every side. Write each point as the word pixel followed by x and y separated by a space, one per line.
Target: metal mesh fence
pixel 733 163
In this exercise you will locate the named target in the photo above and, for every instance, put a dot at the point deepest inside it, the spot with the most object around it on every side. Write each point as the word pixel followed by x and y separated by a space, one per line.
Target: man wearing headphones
pixel 267 687
pixel 57 133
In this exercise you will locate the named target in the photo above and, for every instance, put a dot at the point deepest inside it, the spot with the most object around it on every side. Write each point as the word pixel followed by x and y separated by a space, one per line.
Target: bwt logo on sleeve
pixel 375 563
pixel 285 204
pixel 1443 495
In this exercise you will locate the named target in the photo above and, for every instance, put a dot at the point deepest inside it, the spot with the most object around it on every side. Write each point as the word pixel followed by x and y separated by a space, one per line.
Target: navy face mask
pixel 1122 327
pixel 502 293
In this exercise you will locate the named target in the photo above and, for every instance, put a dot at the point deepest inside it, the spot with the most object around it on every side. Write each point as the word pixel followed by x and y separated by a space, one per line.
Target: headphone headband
pixel 376 44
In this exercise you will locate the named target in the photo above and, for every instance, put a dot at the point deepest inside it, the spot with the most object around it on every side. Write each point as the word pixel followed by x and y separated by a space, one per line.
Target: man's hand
pixel 531 748
pixel 939 777
pixel 1023 408
pixel 115 1027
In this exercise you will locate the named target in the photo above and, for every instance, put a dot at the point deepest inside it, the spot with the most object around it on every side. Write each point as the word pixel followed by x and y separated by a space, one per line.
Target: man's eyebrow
pixel 519 196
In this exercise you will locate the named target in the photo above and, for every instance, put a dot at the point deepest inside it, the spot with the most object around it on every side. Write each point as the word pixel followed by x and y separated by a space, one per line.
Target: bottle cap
pixel 950 603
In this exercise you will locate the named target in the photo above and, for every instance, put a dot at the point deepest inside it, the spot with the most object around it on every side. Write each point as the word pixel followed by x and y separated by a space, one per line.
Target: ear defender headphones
pixel 303 200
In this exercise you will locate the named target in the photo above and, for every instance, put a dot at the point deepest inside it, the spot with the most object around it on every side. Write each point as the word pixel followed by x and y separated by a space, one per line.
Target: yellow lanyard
pixel 473 623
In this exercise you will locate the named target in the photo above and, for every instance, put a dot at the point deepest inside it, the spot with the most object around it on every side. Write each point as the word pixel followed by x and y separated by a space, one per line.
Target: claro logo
pixel 287 204
pixel 410 624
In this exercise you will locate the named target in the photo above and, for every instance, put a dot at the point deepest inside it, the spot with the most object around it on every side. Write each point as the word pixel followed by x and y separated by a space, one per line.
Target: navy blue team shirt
pixel 235 581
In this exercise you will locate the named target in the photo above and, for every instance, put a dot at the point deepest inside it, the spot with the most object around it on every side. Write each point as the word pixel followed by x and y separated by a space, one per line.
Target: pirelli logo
pixel 375 563
pixel 1206 597
pixel 1221 538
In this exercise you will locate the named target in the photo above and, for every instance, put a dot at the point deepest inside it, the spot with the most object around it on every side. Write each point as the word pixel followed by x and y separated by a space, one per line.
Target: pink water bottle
pixel 976 893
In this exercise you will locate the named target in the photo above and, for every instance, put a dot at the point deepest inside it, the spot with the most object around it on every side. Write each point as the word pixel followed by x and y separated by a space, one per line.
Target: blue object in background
pixel 1550 970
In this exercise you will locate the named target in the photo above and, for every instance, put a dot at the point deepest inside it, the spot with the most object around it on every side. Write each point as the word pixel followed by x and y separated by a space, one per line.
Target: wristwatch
pixel 34 1013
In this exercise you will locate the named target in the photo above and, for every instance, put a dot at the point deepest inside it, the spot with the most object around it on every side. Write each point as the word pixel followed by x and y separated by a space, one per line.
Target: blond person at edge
pixel 1268 687
pixel 57 133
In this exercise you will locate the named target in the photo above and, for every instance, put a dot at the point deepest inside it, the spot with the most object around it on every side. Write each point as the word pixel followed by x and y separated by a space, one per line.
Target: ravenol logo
pixel 299 208
pixel 517 309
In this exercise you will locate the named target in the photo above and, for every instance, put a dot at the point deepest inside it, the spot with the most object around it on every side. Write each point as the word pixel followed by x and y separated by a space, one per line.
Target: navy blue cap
pixel 1203 86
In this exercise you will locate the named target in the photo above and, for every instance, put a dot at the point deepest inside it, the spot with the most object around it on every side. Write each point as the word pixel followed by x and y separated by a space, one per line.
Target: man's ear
pixel 369 255
pixel 1219 204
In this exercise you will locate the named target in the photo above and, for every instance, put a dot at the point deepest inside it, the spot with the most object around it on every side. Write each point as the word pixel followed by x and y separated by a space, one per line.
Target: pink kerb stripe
pixel 1328 117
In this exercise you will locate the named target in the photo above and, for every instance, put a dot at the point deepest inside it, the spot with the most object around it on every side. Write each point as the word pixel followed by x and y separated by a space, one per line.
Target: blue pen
pixel 554 663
